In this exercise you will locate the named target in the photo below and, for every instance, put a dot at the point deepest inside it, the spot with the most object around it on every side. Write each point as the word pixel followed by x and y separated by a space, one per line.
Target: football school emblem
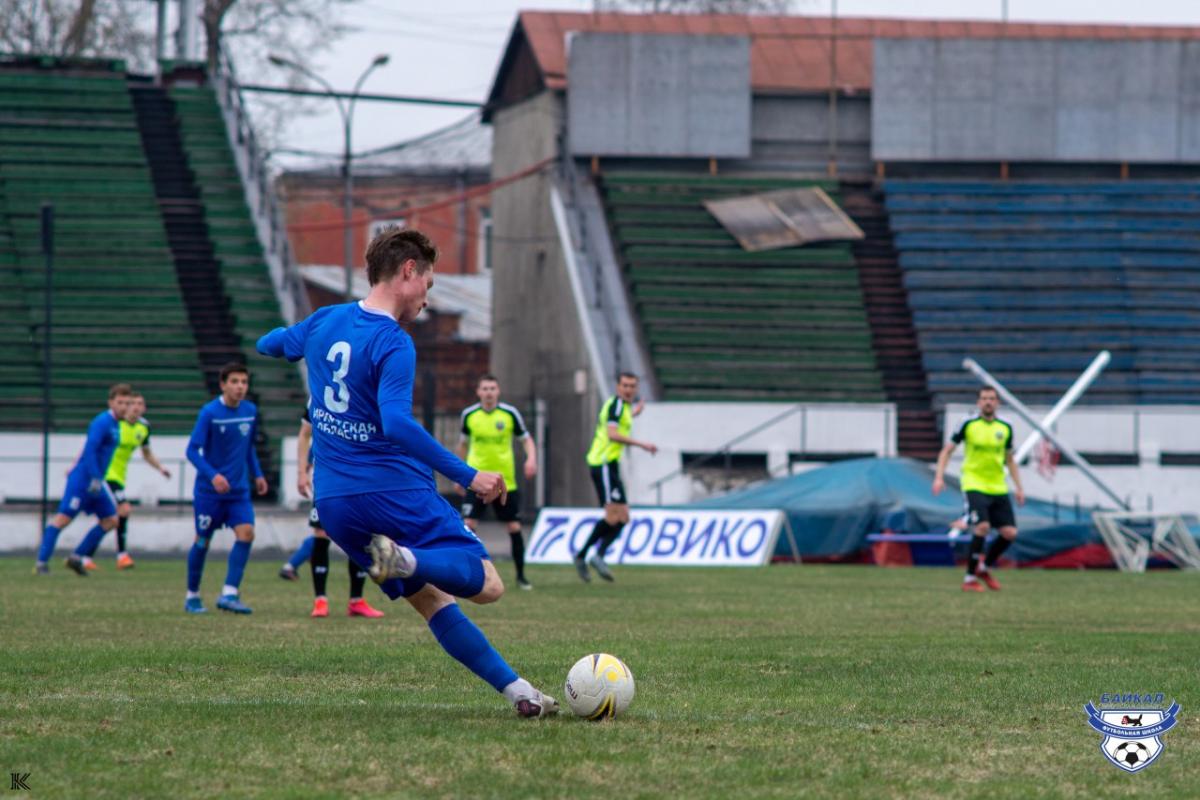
pixel 1131 735
pixel 244 428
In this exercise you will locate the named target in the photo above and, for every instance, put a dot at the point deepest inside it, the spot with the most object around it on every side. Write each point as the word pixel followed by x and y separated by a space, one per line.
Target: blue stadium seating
pixel 1033 278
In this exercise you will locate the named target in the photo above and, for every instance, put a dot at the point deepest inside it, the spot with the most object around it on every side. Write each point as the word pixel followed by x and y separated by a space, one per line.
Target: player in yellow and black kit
pixel 134 434
pixel 488 430
pixel 988 451
pixel 613 429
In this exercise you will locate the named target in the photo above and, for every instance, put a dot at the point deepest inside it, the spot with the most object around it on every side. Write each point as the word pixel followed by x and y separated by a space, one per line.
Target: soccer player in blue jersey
pixel 374 468
pixel 86 490
pixel 222 450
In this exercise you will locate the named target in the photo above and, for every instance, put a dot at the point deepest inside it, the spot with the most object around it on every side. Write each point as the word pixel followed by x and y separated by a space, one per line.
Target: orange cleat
pixel 973 586
pixel 986 576
pixel 124 561
pixel 360 608
pixel 320 607
pixel 90 565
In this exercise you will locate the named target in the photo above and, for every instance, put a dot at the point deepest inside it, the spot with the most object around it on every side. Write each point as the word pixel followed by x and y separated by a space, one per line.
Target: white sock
pixel 193 595
pixel 970 579
pixel 229 591
pixel 518 689
pixel 122 553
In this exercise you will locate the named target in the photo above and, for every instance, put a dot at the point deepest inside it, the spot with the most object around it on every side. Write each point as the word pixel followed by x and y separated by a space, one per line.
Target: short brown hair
pixel 119 390
pixel 232 368
pixel 987 387
pixel 393 246
pixel 488 377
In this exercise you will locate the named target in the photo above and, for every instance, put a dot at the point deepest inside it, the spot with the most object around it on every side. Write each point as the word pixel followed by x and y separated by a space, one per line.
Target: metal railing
pixel 265 209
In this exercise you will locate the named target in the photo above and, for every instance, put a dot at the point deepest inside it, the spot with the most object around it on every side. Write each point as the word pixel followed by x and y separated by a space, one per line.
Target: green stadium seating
pixel 72 140
pixel 725 324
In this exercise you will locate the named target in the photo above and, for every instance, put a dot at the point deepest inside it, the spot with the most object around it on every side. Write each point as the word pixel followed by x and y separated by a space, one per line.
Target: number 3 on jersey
pixel 339 356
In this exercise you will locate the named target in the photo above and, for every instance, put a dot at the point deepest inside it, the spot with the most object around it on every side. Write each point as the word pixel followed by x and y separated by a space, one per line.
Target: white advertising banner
pixel 662 537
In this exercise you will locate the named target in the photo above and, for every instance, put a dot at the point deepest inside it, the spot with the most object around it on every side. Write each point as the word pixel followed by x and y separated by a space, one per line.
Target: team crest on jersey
pixel 244 428
pixel 1132 724
pixel 499 424
pixel 999 435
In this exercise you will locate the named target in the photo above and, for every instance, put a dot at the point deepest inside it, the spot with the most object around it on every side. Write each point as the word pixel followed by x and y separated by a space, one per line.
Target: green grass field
pixel 784 682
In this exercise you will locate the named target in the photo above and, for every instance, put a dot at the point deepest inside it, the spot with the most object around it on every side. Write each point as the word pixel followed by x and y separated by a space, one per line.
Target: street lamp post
pixel 347 112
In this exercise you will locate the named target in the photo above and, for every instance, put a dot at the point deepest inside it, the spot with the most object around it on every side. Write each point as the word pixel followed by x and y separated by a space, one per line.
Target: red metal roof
pixel 791 53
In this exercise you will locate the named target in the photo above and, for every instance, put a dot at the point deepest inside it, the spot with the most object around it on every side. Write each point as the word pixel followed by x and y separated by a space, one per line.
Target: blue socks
pixel 459 637
pixel 453 571
pixel 303 552
pixel 49 539
pixel 238 557
pixel 91 542
pixel 196 558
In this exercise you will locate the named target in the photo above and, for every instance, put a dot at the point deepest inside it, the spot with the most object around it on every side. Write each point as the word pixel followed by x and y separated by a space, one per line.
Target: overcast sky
pixel 451 49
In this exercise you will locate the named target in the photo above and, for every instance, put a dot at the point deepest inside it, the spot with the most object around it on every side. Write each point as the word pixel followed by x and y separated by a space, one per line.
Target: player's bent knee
pixel 429 601
pixel 244 533
pixel 493 585
pixel 108 523
pixel 1008 532
pixel 124 510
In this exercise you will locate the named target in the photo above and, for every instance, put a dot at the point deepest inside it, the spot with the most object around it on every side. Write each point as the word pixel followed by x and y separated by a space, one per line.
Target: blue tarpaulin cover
pixel 832 509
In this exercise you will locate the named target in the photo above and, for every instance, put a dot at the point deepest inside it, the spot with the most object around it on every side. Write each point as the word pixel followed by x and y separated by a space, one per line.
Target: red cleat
pixel 973 586
pixel 124 561
pixel 360 608
pixel 320 607
pixel 986 576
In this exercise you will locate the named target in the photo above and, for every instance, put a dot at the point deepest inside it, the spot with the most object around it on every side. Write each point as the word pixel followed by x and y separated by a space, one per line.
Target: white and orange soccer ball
pixel 599 686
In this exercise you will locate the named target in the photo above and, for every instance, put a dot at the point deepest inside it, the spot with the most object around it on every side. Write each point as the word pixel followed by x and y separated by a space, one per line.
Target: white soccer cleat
pixel 389 560
pixel 536 705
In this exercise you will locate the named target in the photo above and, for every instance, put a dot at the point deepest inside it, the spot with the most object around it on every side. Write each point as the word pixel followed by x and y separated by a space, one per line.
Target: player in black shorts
pixel 488 430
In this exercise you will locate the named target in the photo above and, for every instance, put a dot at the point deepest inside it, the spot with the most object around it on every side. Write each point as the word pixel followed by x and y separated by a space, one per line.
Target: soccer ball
pixel 599 686
pixel 1132 753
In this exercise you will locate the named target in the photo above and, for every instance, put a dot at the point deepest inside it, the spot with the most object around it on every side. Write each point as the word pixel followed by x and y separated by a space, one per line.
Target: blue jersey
pixel 222 443
pixel 361 366
pixel 103 436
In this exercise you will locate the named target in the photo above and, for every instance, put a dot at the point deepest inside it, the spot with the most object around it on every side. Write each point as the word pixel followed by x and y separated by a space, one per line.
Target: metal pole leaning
pixel 1024 413
pixel 1081 385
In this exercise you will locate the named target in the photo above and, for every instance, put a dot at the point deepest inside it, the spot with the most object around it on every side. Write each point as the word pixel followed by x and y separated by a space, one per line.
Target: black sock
pixel 518 552
pixel 995 550
pixel 598 534
pixel 358 578
pixel 976 550
pixel 122 528
pixel 320 565
pixel 613 532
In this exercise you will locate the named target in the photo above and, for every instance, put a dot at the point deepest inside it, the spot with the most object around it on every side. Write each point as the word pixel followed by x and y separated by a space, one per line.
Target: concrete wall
pixel 1036 100
pixel 789 432
pixel 537 349
pixel 793 132
pixel 659 95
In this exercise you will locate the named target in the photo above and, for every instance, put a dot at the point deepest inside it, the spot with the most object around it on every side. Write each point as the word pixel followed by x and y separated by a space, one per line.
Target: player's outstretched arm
pixel 400 427
pixel 285 342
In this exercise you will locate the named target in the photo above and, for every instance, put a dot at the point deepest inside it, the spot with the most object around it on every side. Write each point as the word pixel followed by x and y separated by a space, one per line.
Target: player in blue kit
pixel 222 450
pixel 86 490
pixel 376 494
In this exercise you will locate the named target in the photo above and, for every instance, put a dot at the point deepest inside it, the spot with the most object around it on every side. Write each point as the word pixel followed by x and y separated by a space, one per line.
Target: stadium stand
pixel 786 325
pixel 69 136
pixel 994 269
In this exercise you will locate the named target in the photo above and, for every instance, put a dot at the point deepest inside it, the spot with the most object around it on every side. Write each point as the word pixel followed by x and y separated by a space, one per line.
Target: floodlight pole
pixel 47 224
pixel 1065 402
pixel 1023 412
pixel 347 112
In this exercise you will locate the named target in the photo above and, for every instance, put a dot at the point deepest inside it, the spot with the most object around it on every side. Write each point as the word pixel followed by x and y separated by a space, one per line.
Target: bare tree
pixel 295 29
pixel 94 28
pixel 697 6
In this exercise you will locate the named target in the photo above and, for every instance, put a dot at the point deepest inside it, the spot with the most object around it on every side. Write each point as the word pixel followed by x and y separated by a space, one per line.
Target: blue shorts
pixel 213 513
pixel 76 499
pixel 416 518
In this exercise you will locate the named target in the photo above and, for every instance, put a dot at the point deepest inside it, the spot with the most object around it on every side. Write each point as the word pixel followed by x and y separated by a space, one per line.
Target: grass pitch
pixel 783 682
